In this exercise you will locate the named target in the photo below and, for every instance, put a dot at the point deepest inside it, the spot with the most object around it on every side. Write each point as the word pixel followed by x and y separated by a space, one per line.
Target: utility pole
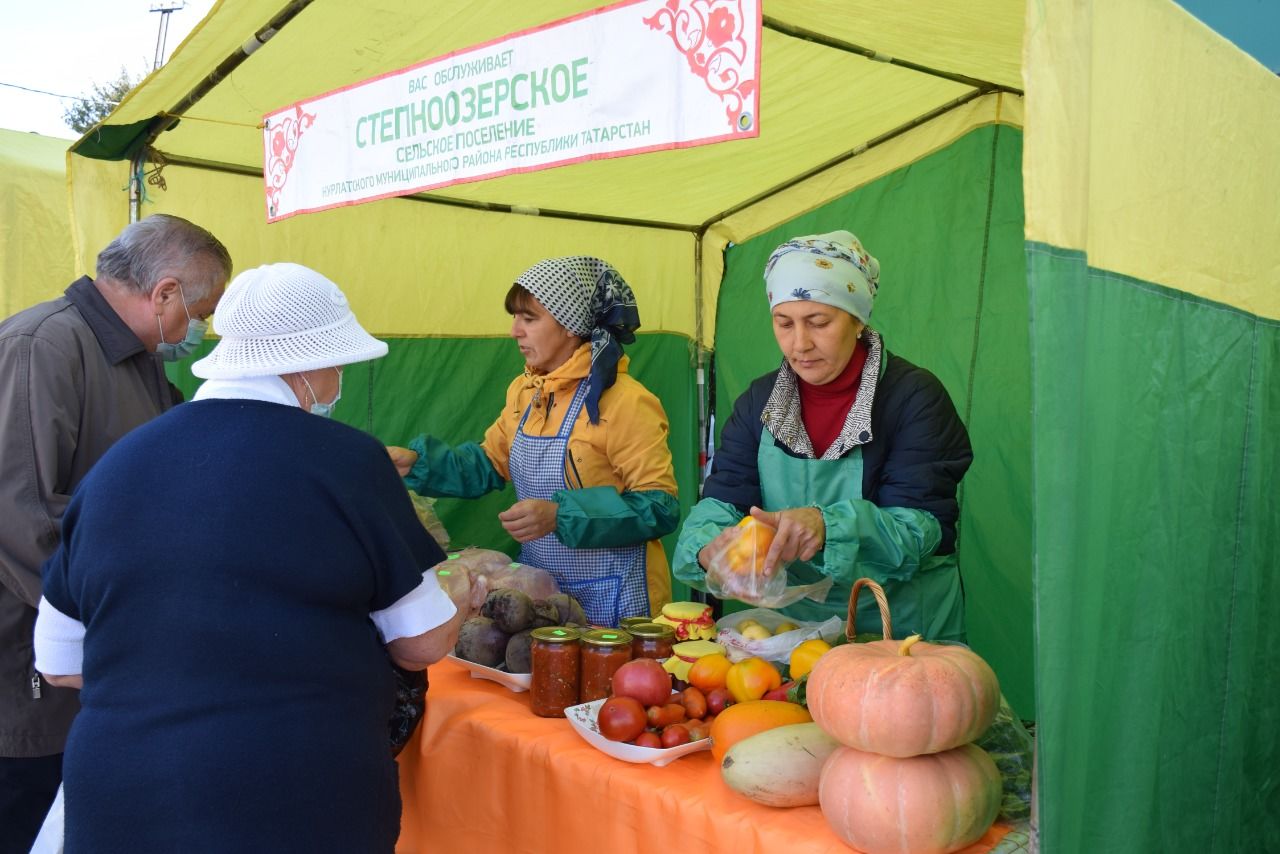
pixel 165 10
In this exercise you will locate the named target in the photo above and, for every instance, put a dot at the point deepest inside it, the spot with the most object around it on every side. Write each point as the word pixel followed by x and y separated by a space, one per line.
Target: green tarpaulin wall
pixel 1158 651
pixel 467 381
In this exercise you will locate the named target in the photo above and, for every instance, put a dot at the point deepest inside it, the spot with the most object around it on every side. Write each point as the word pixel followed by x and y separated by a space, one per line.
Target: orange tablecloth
pixel 483 774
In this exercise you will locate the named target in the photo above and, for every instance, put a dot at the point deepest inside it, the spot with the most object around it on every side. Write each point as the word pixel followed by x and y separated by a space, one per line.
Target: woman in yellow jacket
pixel 584 444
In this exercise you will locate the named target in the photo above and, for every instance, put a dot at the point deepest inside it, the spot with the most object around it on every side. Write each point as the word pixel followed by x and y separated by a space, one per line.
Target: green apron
pixel 930 602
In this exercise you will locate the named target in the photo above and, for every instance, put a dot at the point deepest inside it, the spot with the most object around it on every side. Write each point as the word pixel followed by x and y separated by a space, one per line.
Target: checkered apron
pixel 609 583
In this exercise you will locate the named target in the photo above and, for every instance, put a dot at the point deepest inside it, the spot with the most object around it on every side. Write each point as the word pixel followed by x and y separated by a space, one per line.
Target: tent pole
pixel 700 367
pixel 170 117
pixel 136 165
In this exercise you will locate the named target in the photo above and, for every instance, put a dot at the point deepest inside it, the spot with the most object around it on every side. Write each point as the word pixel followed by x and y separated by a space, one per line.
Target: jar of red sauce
pixel 652 640
pixel 554 653
pixel 603 652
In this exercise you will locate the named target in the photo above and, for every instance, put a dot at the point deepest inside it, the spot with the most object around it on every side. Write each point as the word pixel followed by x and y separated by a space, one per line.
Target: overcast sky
pixel 66 46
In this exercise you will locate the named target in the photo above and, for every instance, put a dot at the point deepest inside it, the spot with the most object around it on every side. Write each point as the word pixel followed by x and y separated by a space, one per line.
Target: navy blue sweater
pixel 918 455
pixel 224 559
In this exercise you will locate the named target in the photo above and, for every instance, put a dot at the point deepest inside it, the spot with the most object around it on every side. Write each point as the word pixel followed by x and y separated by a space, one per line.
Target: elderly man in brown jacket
pixel 76 374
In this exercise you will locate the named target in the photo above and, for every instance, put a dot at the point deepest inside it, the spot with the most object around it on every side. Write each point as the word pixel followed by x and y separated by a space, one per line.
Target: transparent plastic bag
pixel 737 569
pixel 426 510
pixel 460 586
pixel 778 647
pixel 498 570
pixel 1010 746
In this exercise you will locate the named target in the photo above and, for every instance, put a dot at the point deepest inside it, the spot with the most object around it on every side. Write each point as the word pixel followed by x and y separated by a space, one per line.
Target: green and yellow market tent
pixel 36 256
pixel 1075 209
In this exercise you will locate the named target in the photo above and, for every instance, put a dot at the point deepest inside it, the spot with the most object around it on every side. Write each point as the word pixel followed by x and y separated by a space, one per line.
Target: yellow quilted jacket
pixel 627 449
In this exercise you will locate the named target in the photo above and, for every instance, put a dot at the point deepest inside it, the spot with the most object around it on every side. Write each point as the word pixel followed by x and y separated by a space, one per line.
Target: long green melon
pixel 779 767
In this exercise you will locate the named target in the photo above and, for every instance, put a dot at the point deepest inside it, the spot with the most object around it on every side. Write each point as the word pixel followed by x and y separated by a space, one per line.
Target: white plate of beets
pixel 513 681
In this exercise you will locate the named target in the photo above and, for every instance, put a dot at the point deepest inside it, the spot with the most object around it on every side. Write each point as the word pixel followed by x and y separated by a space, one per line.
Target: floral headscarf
pixel 831 268
pixel 588 297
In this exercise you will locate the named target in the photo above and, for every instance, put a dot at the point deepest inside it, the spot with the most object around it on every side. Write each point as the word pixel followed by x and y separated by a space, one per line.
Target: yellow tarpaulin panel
pixel 413 268
pixel 37 260
pixel 99 206
pixel 1151 146
pixel 981 39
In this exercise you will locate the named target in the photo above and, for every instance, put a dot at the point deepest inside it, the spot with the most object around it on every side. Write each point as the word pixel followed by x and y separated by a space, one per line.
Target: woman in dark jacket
pixel 852 453
pixel 232 578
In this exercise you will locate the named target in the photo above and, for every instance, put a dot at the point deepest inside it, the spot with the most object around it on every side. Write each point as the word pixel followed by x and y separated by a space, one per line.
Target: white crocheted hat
pixel 282 318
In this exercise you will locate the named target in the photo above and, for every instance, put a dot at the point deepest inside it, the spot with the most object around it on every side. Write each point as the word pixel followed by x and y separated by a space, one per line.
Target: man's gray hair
pixel 163 245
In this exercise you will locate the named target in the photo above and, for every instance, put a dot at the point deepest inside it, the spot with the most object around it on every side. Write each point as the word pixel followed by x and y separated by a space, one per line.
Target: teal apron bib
pixel 929 603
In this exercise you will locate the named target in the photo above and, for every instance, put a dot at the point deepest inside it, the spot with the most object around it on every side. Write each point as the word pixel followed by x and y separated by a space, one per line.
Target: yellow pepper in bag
pixel 751 679
pixel 805 655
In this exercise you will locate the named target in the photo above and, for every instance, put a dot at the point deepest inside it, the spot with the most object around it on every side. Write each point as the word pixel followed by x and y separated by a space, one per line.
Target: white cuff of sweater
pixel 415 613
pixel 59 642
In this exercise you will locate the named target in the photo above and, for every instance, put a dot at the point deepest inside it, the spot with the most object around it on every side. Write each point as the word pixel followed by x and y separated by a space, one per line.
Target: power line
pixel 54 94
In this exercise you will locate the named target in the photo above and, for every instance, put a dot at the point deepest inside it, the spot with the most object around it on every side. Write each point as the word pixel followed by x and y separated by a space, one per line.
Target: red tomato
pixel 718 699
pixel 621 718
pixel 648 739
pixel 675 735
pixel 643 679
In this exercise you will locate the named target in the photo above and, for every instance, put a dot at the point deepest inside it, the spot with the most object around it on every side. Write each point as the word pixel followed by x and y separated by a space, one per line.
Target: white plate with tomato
pixel 584 718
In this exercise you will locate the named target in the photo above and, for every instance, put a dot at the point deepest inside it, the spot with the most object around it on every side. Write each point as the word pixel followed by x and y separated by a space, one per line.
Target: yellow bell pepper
pixel 804 656
pixel 751 679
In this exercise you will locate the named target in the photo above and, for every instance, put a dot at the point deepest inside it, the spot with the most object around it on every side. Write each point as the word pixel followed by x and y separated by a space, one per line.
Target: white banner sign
pixel 637 76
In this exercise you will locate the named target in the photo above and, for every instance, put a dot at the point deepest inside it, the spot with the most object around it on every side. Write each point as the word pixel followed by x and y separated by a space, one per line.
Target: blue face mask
pixel 184 348
pixel 324 410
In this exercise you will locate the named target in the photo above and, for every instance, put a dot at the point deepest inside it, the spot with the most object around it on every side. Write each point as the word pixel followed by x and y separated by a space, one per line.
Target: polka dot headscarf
pixel 588 297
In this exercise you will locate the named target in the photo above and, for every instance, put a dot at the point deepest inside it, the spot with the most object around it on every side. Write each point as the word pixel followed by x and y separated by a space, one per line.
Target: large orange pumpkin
pixel 743 720
pixel 900 698
pixel 903 698
pixel 931 804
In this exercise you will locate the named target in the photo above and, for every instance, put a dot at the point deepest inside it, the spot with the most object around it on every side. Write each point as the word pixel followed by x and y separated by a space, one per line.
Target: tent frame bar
pixel 172 116
pixel 496 207
pixel 841 158
pixel 795 32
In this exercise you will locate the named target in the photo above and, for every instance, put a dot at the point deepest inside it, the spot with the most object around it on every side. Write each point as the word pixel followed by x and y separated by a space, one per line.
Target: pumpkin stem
pixel 905 648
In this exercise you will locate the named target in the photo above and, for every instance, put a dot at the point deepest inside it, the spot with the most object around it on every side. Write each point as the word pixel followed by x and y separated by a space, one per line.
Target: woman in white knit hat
pixel 231 579
pixel 851 452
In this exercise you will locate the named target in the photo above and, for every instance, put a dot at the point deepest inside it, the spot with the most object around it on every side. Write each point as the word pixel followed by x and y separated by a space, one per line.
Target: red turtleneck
pixel 823 408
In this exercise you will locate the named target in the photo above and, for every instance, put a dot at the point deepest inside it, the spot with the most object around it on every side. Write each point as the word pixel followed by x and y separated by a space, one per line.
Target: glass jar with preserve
pixel 652 640
pixel 603 652
pixel 627 622
pixel 554 654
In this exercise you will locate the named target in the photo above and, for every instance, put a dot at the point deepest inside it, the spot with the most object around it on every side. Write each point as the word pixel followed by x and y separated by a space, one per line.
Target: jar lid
pixel 686 610
pixel 652 630
pixel 693 650
pixel 556 634
pixel 628 622
pixel 607 637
